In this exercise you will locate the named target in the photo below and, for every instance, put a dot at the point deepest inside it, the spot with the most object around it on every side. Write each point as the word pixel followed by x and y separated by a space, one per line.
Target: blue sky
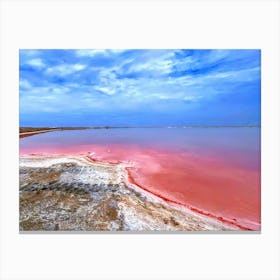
pixel 139 87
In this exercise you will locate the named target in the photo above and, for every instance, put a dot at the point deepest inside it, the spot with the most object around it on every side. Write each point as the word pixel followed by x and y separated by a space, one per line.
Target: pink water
pixel 213 171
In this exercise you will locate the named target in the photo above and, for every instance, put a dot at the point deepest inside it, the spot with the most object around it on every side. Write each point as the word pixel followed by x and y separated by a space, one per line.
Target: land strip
pixel 29 131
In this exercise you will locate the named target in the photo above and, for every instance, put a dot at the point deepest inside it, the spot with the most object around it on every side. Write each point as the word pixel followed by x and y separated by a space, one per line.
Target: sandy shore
pixel 30 131
pixel 74 193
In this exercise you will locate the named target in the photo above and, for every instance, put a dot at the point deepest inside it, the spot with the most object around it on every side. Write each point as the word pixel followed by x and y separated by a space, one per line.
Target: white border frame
pixel 140 24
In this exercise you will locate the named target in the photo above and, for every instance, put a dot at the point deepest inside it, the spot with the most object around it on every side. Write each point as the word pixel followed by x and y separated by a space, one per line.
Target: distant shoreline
pixel 33 129
pixel 29 131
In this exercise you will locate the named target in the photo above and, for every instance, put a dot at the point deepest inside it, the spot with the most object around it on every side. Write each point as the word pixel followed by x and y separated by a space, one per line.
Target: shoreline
pixel 38 129
pixel 30 131
pixel 207 219
pixel 189 207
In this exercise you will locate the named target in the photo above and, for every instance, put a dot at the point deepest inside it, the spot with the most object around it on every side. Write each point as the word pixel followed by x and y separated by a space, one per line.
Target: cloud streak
pixel 65 69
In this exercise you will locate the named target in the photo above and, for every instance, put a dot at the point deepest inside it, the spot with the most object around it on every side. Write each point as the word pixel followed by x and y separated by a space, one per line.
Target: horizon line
pixel 166 126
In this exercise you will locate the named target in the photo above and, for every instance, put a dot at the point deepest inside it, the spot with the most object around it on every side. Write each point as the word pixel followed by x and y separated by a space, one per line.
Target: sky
pixel 176 87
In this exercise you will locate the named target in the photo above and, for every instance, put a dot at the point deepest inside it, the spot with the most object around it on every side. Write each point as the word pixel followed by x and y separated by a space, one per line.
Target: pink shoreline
pixel 132 180
pixel 193 209
pixel 158 194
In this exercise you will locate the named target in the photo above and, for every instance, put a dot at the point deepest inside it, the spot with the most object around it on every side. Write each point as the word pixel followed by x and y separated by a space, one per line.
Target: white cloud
pixel 159 64
pixel 36 62
pixel 190 98
pixel 24 84
pixel 30 52
pixel 65 69
pixel 164 97
pixel 239 75
pixel 106 90
pixel 91 53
